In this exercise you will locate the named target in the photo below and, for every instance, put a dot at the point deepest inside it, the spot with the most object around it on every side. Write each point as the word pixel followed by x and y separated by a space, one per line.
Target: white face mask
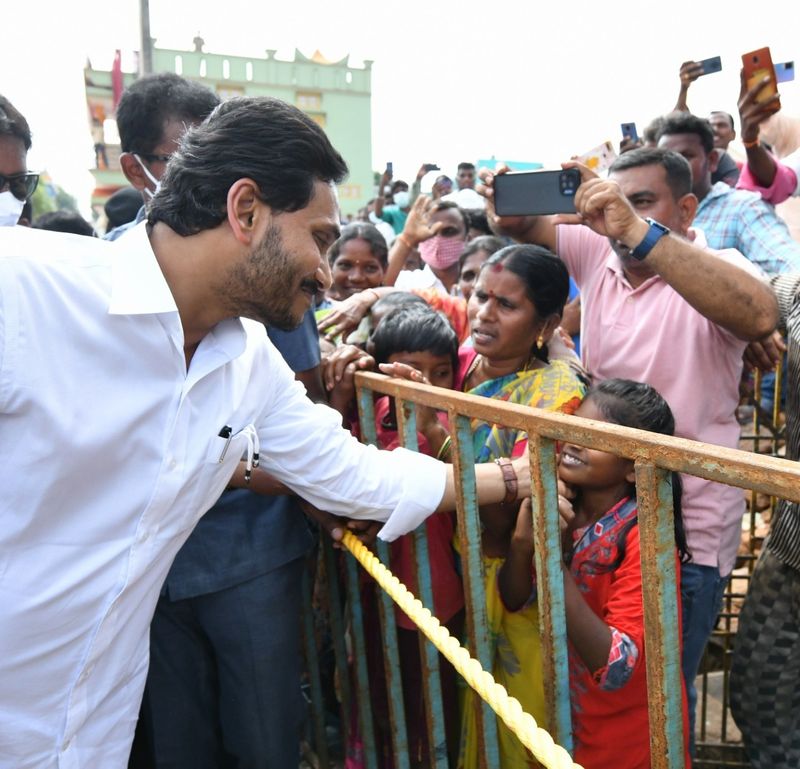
pixel 402 198
pixel 10 209
pixel 156 183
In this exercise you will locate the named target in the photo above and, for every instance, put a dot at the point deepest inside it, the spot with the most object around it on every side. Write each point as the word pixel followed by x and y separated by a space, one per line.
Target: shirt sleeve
pixel 304 446
pixel 580 248
pixel 623 612
pixel 299 347
pixel 765 240
pixel 783 186
pixel 786 288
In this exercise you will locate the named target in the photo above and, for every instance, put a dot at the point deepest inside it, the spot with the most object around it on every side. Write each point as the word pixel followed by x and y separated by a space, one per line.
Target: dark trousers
pixel 224 683
pixel 765 674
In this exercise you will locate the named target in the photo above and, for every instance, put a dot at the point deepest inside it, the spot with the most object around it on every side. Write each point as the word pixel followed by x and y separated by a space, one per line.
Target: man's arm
pixel 690 71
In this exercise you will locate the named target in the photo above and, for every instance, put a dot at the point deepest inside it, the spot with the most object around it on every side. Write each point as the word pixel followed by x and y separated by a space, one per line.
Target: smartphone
pixel 389 169
pixel 629 131
pixel 431 167
pixel 536 193
pixel 599 158
pixel 714 64
pixel 758 65
pixel 784 72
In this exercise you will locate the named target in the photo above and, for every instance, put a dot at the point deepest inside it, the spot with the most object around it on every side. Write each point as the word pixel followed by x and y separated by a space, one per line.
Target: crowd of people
pixel 186 388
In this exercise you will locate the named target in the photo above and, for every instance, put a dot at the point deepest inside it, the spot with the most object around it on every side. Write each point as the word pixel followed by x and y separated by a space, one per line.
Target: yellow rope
pixel 537 740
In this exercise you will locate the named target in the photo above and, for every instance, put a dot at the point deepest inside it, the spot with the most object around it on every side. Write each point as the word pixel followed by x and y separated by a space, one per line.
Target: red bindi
pixel 497 267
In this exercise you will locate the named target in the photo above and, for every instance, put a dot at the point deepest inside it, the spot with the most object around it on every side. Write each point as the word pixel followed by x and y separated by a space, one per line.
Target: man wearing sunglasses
pixel 16 184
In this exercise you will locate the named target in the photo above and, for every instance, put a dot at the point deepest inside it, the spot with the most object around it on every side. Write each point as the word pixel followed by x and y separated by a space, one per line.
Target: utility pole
pixel 146 53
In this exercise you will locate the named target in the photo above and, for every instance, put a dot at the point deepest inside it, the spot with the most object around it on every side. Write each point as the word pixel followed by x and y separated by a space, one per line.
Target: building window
pixel 179 65
pixel 309 101
pixel 248 70
pixel 202 67
pixel 226 69
pixel 348 78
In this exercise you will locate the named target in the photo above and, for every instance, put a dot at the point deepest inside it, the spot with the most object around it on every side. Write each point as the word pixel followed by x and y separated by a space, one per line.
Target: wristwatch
pixel 654 234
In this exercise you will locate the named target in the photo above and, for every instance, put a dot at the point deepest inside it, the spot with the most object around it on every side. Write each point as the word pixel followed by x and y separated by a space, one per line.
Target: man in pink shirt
pixel 666 310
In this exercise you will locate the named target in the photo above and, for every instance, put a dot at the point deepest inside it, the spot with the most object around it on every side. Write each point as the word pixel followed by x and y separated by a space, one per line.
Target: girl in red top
pixel 603 582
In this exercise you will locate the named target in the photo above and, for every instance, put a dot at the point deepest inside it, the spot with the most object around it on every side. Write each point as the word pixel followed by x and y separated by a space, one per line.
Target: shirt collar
pixel 138 286
pixel 717 191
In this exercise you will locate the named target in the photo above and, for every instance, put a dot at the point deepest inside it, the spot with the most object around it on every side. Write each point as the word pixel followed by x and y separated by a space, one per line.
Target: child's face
pixel 437 369
pixel 591 469
pixel 355 269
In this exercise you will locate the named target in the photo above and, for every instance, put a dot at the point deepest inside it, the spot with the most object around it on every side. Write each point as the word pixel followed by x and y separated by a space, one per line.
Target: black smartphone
pixel 784 72
pixel 629 131
pixel 536 193
pixel 389 169
pixel 431 167
pixel 714 64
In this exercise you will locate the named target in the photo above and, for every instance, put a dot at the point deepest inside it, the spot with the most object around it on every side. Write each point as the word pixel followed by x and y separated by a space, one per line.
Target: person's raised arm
pixel 752 113
pixel 539 230
pixel 690 71
pixel 380 198
pixel 417 228
pixel 726 294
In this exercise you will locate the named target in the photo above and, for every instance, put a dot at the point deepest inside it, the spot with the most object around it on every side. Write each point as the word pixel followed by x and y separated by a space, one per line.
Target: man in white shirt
pixel 130 388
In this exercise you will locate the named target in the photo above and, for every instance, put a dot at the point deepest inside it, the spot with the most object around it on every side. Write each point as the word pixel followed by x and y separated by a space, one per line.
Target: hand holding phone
pixel 629 131
pixel 536 193
pixel 430 167
pixel 757 66
pixel 389 169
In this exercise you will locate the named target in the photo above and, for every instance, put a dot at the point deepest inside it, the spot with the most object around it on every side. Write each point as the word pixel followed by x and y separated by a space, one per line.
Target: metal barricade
pixel 655 457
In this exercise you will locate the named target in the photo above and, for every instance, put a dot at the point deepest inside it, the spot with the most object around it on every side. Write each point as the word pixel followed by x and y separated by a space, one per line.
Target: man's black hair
pixel 465 166
pixel 727 115
pixel 444 205
pixel 686 123
pixel 64 221
pixel 150 102
pixel 261 138
pixel 414 329
pixel 478 221
pixel 12 123
pixel 366 232
pixel 676 167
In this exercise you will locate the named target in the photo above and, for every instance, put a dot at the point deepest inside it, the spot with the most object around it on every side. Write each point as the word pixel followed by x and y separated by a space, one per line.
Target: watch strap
pixel 509 478
pixel 655 232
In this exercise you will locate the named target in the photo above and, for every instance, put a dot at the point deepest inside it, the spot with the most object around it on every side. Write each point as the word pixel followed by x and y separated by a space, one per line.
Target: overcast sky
pixel 451 81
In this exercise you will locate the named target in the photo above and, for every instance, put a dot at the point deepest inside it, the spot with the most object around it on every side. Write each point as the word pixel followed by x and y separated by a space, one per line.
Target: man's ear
pixel 687 205
pixel 133 171
pixel 245 210
pixel 713 160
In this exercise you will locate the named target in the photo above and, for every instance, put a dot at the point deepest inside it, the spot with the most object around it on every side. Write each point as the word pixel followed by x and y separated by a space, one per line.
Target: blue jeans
pixel 702 588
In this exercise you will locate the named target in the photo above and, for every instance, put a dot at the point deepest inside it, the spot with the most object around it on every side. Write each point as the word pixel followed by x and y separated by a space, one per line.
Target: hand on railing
pixel 338 372
pixel 365 531
pixel 765 354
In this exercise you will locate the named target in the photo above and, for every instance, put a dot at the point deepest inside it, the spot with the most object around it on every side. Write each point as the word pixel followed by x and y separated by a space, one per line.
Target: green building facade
pixel 336 95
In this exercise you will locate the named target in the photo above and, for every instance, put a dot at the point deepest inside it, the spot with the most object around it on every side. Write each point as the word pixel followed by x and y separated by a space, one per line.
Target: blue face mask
pixel 10 209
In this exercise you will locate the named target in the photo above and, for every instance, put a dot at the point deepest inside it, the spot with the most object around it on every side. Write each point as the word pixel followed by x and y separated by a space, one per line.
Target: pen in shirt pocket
pixel 227 433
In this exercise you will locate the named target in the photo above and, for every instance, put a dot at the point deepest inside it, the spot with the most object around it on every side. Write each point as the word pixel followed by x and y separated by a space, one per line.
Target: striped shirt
pixel 784 540
pixel 741 220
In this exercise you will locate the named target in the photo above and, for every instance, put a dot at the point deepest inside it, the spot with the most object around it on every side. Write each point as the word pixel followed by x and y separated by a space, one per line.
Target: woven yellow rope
pixel 537 740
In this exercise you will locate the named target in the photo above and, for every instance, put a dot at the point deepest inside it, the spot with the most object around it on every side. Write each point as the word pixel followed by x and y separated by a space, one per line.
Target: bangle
pixel 509 478
pixel 374 293
pixel 751 145
pixel 444 449
pixel 405 241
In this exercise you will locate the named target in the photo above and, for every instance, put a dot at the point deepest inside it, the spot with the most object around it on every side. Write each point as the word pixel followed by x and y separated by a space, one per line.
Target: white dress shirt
pixel 109 453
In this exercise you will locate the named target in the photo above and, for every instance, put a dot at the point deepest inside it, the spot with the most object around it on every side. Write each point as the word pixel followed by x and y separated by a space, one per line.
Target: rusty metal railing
pixel 655 456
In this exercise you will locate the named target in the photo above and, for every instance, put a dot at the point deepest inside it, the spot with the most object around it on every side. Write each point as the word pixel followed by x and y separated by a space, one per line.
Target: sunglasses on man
pixel 21 186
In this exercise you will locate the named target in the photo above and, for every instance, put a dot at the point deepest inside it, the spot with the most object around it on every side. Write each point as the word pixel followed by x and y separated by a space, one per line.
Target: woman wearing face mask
pixel 439 231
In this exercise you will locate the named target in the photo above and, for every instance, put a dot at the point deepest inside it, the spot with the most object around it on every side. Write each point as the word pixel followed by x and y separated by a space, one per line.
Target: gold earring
pixel 540 342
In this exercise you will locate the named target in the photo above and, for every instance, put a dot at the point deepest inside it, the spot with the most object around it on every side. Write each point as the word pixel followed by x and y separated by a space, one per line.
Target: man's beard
pixel 266 286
